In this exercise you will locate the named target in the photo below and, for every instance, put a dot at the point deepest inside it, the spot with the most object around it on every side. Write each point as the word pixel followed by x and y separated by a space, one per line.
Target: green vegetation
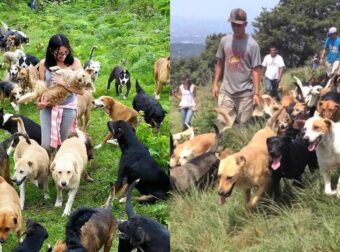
pixel 130 33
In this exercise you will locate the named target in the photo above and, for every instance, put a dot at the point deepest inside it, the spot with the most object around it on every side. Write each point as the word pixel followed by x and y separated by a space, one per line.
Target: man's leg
pixel 275 87
pixel 267 86
pixel 226 103
pixel 244 108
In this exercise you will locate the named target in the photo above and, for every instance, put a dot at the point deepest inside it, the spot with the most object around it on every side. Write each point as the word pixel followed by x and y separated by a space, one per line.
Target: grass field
pixel 305 220
pixel 129 33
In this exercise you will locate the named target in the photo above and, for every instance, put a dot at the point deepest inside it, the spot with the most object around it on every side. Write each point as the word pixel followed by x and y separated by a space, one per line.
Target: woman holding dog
pixel 187 95
pixel 57 120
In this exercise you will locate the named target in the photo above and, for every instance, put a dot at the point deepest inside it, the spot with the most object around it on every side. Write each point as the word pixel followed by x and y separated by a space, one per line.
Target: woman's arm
pixel 76 64
pixel 42 70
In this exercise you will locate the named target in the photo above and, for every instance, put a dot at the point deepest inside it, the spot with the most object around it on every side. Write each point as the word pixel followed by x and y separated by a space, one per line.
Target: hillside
pixel 132 34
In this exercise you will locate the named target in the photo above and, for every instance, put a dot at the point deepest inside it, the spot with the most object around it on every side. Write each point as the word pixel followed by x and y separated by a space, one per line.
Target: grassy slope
pixel 308 221
pixel 127 33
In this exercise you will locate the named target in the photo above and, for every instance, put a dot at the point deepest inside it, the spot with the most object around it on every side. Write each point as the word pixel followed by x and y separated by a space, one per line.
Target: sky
pixel 217 9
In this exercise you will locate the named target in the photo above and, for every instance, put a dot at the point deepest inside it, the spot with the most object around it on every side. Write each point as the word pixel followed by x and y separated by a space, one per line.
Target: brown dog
pixel 27 78
pixel 161 74
pixel 84 105
pixel 248 168
pixel 329 109
pixel 116 111
pixel 10 212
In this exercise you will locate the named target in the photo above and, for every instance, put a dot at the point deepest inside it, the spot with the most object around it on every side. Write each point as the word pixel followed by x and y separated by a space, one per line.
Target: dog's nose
pixel 93 102
pixel 63 184
pixel 14 180
pixel 2 241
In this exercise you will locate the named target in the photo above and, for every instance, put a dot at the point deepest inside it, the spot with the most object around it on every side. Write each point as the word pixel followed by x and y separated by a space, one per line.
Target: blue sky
pixel 217 9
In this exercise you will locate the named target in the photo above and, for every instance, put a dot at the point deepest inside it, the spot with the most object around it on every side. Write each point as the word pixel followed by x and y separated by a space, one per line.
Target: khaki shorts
pixel 331 67
pixel 240 109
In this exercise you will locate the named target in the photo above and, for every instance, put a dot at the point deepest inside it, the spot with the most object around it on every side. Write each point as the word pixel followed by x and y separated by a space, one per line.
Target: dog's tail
pixel 91 53
pixel 21 126
pixel 226 117
pixel 298 85
pixel 271 122
pixel 192 132
pixel 217 139
pixel 73 228
pixel 108 203
pixel 13 137
pixel 139 89
pixel 128 207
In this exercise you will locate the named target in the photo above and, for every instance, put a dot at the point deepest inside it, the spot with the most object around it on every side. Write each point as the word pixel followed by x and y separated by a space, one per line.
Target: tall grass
pixel 126 35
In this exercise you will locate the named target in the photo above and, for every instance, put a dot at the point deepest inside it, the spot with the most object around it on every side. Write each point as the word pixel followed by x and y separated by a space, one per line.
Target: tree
pixel 297 28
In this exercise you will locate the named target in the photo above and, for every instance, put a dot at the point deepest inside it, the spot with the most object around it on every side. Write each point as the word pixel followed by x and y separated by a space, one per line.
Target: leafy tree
pixel 298 28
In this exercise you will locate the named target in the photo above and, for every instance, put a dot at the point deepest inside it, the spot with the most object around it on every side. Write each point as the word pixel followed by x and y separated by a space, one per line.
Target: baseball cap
pixel 332 30
pixel 238 16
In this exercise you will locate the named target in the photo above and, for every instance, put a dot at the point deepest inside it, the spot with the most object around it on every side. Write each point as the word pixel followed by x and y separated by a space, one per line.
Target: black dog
pixel 136 163
pixel 153 112
pixel 27 61
pixel 10 90
pixel 121 77
pixel 7 123
pixel 20 38
pixel 141 232
pixel 289 159
pixel 36 234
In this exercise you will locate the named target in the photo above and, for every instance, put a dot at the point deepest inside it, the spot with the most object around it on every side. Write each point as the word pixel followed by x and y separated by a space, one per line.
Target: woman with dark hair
pixel 187 95
pixel 57 120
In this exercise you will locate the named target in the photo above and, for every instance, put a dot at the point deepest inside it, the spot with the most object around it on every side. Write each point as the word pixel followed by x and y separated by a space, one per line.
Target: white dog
pixel 324 136
pixel 67 169
pixel 11 58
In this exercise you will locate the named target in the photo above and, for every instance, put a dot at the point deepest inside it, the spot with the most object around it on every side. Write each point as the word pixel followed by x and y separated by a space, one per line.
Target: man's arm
pixel 256 81
pixel 322 57
pixel 280 73
pixel 218 75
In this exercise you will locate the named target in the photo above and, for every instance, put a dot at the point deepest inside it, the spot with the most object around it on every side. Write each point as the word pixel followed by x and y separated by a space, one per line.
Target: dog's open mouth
pixel 21 181
pixel 313 145
pixel 276 163
pixel 224 195
pixel 98 105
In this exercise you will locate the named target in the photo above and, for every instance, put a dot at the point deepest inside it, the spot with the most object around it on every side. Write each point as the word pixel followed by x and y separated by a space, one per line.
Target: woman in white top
pixel 187 95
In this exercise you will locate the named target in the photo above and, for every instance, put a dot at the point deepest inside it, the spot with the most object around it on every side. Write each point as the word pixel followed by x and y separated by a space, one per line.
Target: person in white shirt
pixel 187 105
pixel 273 66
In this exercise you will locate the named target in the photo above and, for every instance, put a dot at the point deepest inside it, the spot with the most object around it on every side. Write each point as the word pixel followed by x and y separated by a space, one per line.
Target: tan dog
pixel 10 212
pixel 67 169
pixel 287 100
pixel 116 111
pixel 84 106
pixel 161 74
pixel 76 81
pixel 248 168
pixel 27 78
pixel 329 109
pixel 31 163
pixel 299 109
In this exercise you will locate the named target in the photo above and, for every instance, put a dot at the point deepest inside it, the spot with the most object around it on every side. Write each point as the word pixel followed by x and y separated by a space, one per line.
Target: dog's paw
pixel 122 200
pixel 113 141
pixel 46 196
pixel 66 212
pixel 98 146
pixel 331 192
pixel 58 204
pixel 124 97
pixel 157 97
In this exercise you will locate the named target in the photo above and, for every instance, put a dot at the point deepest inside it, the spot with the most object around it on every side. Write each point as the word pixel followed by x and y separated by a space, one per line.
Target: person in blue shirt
pixel 330 55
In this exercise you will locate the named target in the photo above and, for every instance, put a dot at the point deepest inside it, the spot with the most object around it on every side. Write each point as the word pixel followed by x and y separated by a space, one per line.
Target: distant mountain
pixel 185 50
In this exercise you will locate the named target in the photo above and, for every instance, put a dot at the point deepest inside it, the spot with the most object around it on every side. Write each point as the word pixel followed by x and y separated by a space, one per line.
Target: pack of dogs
pixel 88 229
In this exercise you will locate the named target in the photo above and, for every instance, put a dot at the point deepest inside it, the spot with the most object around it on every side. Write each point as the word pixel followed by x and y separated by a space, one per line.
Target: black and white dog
pixel 7 123
pixel 94 65
pixel 27 61
pixel 12 91
pixel 121 77
pixel 12 73
pixel 20 38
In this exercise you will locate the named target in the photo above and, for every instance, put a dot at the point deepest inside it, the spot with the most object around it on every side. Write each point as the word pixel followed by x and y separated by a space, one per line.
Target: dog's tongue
pixel 221 200
pixel 312 146
pixel 276 163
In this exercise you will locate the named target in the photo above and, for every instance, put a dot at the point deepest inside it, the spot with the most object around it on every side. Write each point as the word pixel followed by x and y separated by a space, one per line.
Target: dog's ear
pixel 89 70
pixel 52 166
pixel 336 107
pixel 75 165
pixel 138 237
pixel 328 123
pixel 29 163
pixel 15 219
pixel 241 160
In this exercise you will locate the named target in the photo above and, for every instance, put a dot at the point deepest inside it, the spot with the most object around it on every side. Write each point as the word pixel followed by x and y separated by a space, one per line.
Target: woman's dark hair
pixel 187 82
pixel 56 41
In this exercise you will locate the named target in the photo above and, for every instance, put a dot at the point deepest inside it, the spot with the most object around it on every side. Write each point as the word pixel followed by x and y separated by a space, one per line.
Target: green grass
pixel 128 33
pixel 306 220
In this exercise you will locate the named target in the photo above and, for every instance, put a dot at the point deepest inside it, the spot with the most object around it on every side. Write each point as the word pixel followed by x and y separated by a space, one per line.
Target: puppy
pixel 67 169
pixel 27 60
pixel 121 77
pixel 153 112
pixel 141 232
pixel 136 162
pixel 89 229
pixel 116 111
pixel 10 212
pixel 84 105
pixel 11 58
pixel 324 136
pixel 31 163
pixel 12 91
pixel 27 78
pixel 12 73
pixel 328 107
pixel 10 125
pixel 36 234
pixel 289 159
pixel 4 159
pixel 93 65
pixel 76 81
pixel 201 171
pixel 248 168
pixel 161 73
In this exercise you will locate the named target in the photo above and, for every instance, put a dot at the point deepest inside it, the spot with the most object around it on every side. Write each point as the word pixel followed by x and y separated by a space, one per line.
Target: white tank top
pixel 187 97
